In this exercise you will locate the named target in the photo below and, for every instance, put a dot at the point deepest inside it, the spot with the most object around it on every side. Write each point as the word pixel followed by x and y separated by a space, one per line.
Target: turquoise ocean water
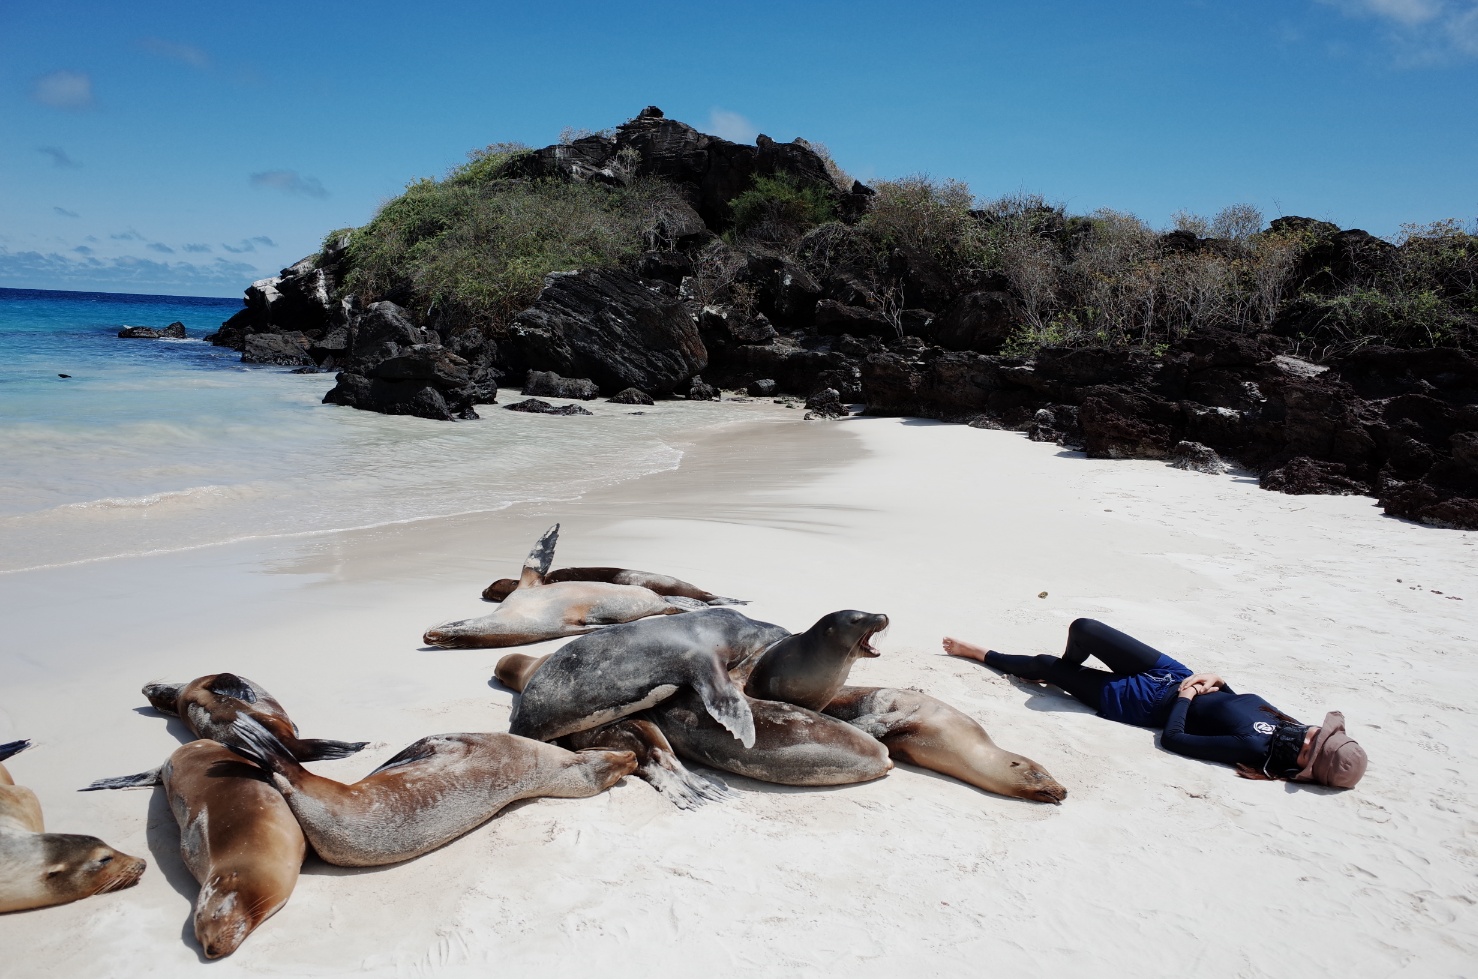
pixel 158 445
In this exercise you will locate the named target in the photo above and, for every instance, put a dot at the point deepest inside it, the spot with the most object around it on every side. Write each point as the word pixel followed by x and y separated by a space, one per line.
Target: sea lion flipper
pixel 231 685
pixel 727 705
pixel 248 738
pixel 719 600
pixel 152 777
pixel 537 564
pixel 322 749
pixel 686 604
pixel 13 748
pixel 422 749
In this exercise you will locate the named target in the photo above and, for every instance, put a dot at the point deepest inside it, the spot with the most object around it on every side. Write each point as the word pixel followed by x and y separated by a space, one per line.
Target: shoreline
pixel 951 531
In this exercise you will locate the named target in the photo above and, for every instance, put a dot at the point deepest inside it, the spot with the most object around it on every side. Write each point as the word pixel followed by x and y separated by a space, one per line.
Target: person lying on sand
pixel 1201 716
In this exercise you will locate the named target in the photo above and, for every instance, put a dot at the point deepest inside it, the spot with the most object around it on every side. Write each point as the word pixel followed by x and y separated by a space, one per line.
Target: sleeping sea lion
pixel 209 704
pixel 428 794
pixel 536 611
pixel 237 836
pixel 656 763
pixel 660 583
pixel 923 731
pixel 792 745
pixel 807 669
pixel 624 669
pixel 39 869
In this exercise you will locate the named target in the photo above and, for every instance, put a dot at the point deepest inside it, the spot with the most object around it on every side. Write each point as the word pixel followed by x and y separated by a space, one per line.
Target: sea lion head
pixel 852 630
pixel 451 635
pixel 227 911
pixel 74 867
pixel 499 589
pixel 605 767
pixel 1032 782
pixel 164 697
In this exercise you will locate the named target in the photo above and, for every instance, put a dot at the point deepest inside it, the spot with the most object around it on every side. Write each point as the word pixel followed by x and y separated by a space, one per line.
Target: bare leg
pixel 966 650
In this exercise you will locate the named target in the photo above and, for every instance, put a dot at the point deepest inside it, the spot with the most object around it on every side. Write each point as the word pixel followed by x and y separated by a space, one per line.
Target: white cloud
pixel 65 213
pixel 1426 30
pixel 37 270
pixel 64 90
pixel 160 246
pixel 185 54
pixel 289 182
pixel 731 126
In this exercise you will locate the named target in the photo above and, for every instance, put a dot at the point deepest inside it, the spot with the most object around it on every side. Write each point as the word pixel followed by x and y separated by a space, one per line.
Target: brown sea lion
pixel 39 869
pixel 237 836
pixel 656 763
pixel 209 704
pixel 792 745
pixel 807 669
pixel 429 794
pixel 660 583
pixel 624 669
pixel 923 731
pixel 536 610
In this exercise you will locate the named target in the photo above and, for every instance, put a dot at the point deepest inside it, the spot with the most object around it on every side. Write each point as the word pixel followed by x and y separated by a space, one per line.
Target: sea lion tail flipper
pixel 677 784
pixel 537 564
pixel 231 685
pixel 686 604
pixel 322 749
pixel 719 600
pixel 13 748
pixel 153 776
pixel 727 705
pixel 248 738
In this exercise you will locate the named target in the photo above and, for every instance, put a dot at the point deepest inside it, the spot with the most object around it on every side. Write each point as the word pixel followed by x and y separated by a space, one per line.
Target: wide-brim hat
pixel 1337 760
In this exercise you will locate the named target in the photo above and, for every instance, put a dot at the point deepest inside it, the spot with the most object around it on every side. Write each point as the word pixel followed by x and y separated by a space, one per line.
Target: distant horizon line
pixel 130 295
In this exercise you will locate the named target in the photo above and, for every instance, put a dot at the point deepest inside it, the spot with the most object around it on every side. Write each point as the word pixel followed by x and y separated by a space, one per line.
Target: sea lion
pixel 237 836
pixel 536 611
pixel 660 583
pixel 428 794
pixel 627 668
pixel 792 745
pixel 807 669
pixel 39 869
pixel 656 763
pixel 209 704
pixel 918 729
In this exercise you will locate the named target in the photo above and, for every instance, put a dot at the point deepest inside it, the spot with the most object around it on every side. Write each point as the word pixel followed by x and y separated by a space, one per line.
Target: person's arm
pixel 1228 748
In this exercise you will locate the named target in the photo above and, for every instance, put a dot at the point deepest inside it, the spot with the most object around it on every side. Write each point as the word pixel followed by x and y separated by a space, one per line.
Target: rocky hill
pixel 658 258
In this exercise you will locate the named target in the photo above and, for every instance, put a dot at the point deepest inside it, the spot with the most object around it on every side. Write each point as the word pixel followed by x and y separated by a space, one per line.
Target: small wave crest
pixel 169 499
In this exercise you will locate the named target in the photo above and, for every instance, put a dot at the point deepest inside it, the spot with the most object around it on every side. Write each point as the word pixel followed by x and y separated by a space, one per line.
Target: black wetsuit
pixel 1143 688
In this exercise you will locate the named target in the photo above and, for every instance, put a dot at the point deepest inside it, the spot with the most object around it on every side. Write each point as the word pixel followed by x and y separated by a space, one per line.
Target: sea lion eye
pixel 104 861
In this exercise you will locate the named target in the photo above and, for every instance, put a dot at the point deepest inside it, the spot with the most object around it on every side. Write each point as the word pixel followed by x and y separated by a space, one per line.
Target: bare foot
pixel 958 647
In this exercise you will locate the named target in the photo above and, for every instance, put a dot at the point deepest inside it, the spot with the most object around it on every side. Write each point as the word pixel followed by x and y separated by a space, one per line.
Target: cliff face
pixel 1300 367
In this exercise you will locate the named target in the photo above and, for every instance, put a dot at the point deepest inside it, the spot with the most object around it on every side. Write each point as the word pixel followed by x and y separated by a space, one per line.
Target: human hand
pixel 1200 683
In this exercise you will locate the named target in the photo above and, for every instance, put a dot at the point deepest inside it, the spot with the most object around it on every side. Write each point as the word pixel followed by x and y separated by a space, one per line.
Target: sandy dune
pixel 1155 865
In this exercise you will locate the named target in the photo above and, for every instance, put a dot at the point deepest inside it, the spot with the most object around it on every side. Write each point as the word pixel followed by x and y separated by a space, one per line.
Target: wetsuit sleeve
pixel 1229 748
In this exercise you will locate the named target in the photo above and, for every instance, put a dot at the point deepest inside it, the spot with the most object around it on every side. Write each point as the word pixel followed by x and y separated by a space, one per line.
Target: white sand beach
pixel 1155 864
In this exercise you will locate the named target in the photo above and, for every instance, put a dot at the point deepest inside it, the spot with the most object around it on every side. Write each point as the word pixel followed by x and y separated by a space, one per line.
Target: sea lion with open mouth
pixel 808 668
pixel 627 668
pixel 237 836
pixel 428 794
pixel 209 704
pixel 537 610
pixel 39 869
pixel 920 730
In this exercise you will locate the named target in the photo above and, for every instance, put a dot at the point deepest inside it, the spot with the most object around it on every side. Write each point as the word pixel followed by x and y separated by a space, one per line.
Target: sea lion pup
pixel 660 583
pixel 536 611
pixel 429 794
pixel 624 669
pixel 237 836
pixel 809 668
pixel 792 745
pixel 209 704
pixel 39 869
pixel 923 731
pixel 656 763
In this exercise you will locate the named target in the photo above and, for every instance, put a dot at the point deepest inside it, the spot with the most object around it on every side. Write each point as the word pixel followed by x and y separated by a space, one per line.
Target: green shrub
pixel 780 209
pixel 480 250
pixel 487 164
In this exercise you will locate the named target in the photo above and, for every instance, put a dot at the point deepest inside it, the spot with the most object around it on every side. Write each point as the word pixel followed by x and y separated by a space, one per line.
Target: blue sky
pixel 190 148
